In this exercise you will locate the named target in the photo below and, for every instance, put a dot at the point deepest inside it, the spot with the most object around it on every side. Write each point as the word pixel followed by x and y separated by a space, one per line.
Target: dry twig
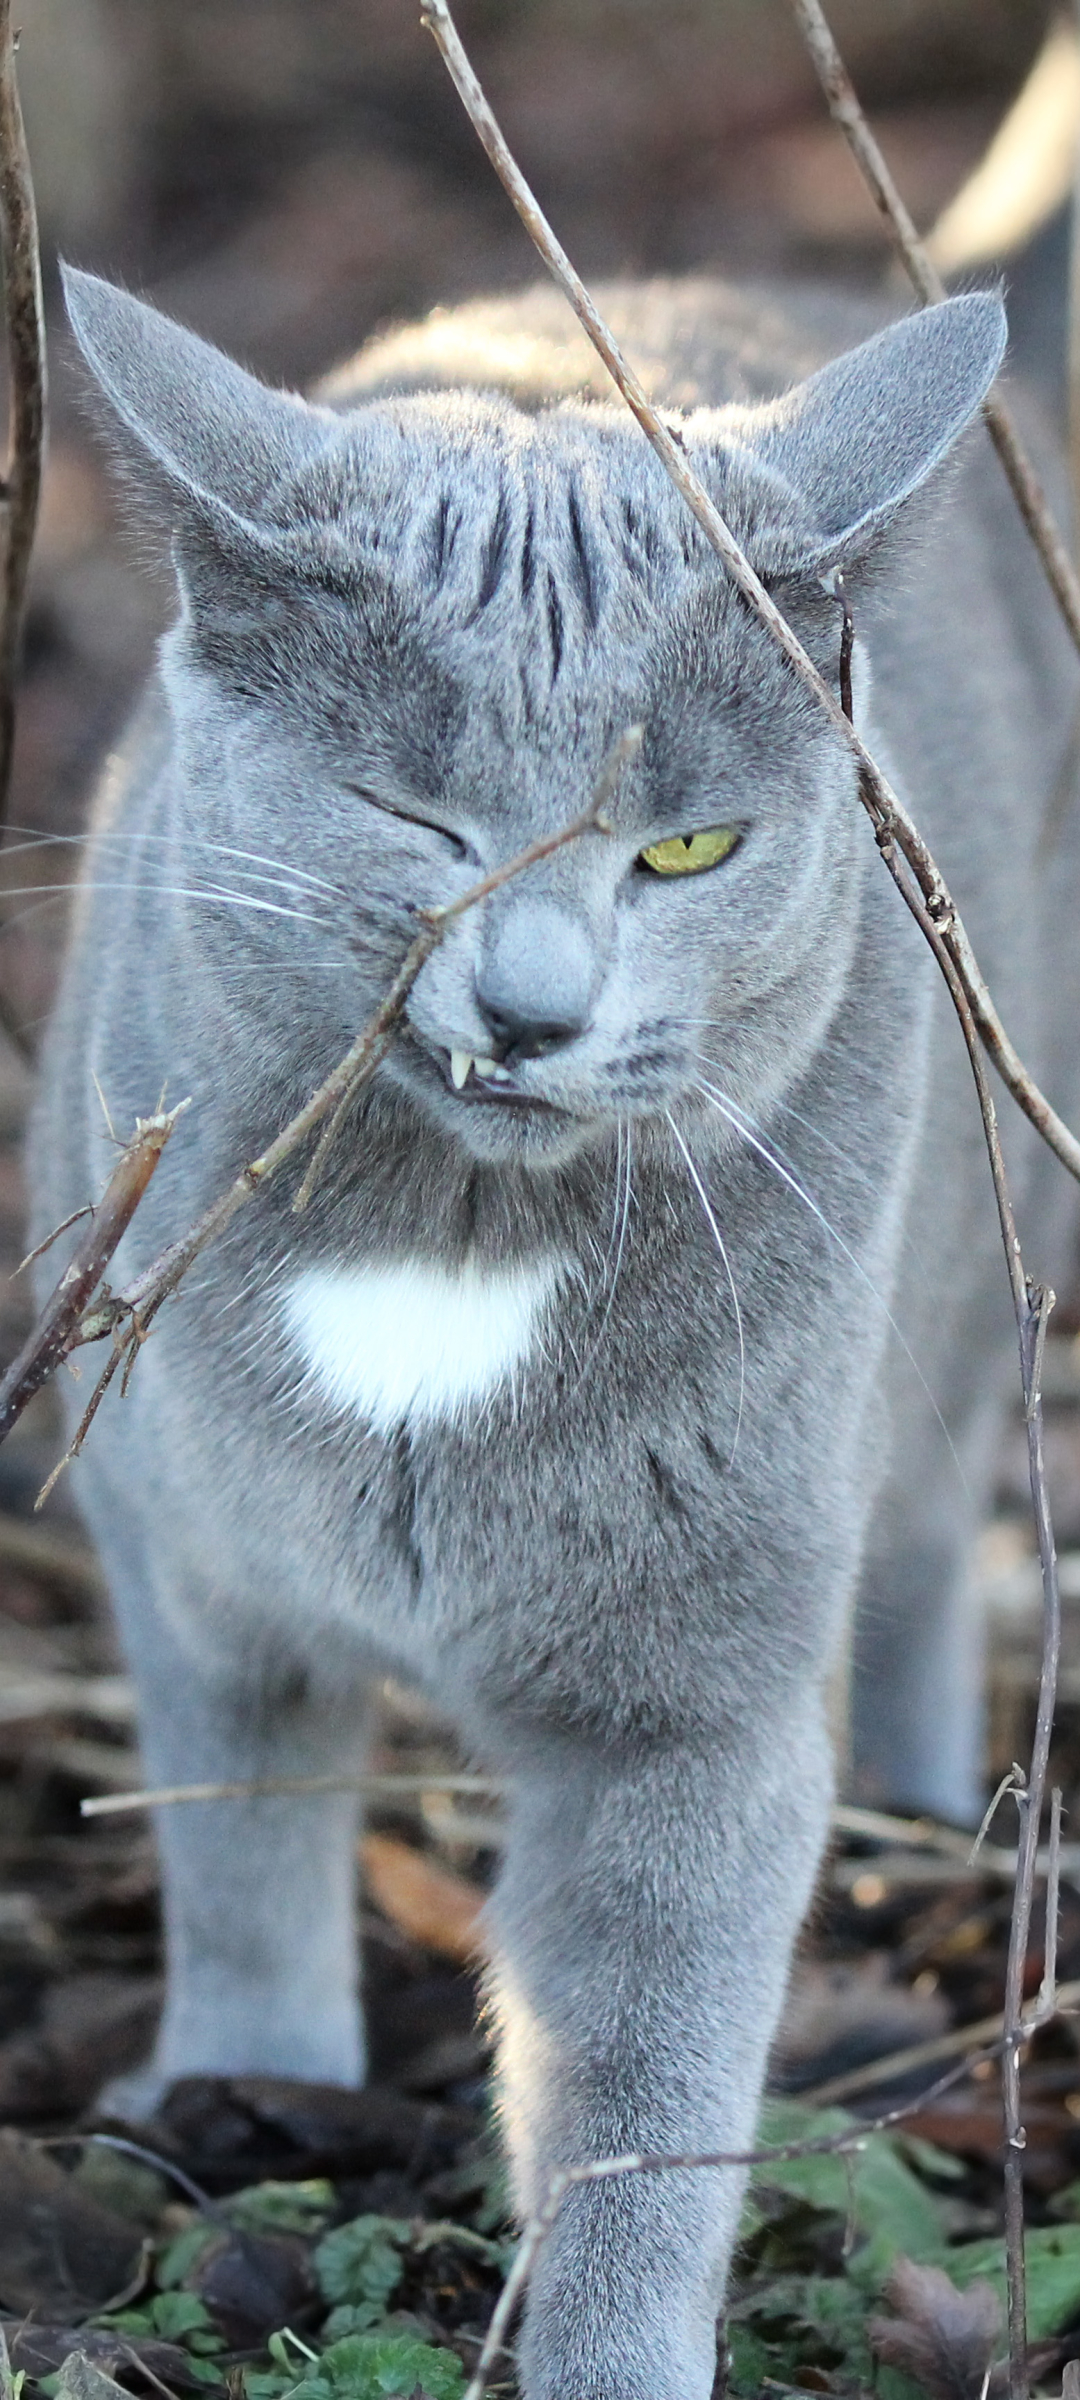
pixel 846 112
pixel 57 1328
pixel 894 829
pixel 169 1795
pixel 25 330
pixel 24 322
pixel 68 1321
pixel 931 904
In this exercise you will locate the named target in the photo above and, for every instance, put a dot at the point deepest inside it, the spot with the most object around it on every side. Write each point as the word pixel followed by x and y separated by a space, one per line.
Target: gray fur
pixel 631 1570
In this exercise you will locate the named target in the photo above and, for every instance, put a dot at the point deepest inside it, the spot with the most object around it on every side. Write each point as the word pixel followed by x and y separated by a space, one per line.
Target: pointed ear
pixel 218 445
pixel 857 440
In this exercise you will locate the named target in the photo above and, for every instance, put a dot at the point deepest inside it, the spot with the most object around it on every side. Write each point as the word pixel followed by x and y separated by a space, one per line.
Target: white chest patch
pixel 417 1344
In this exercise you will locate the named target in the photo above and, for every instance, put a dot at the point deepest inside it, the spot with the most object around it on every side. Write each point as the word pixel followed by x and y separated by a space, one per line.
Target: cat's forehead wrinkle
pixel 539 557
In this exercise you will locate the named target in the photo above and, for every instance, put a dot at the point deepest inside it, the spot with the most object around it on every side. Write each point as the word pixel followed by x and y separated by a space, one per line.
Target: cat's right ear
pixel 849 448
pixel 214 447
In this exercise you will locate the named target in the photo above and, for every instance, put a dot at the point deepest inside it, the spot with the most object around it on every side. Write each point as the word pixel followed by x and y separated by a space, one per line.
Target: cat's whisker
pixel 174 891
pixel 278 870
pixel 710 1217
pixel 620 1223
pixel 729 1109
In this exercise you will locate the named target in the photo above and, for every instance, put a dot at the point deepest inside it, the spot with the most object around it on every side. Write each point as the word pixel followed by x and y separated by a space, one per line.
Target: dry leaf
pixel 434 1907
pixel 61 2252
pixel 945 2338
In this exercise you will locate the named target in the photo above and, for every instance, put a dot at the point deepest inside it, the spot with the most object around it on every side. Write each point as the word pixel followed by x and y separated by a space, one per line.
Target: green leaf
pixel 174 2317
pixel 178 2257
pixel 1053 2274
pixel 887 2204
pixel 281 2207
pixel 371 2366
pixel 362 2260
pixel 792 2322
pixel 357 2316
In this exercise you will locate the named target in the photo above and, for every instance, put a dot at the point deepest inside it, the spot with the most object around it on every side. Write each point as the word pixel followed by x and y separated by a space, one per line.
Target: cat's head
pixel 410 635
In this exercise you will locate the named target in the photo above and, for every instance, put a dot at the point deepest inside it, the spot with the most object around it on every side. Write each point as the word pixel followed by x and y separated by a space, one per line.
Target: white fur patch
pixel 416 1344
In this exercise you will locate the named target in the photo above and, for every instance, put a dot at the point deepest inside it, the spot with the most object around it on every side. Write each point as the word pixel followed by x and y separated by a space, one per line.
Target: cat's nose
pixel 519 1037
pixel 535 977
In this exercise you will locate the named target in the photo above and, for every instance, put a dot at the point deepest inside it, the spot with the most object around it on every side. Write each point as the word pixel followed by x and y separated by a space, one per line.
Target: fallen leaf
pixel 434 1907
pixel 251 2282
pixel 945 2338
pixel 61 2253
pixel 81 2379
pixel 39 2350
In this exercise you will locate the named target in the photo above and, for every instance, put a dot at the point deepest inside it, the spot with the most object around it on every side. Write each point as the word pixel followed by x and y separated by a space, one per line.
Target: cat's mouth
pixel 474 1079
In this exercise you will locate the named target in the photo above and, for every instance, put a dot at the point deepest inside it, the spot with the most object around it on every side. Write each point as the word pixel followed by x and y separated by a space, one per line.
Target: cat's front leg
pixel 643 1924
pixel 259 1893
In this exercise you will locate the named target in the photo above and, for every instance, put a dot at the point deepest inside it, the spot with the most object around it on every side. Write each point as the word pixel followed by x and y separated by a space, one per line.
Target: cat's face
pixel 525 602
pixel 410 637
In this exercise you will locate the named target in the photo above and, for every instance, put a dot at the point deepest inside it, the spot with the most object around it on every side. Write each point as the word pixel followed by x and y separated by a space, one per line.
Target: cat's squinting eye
pixel 691 853
pixel 408 816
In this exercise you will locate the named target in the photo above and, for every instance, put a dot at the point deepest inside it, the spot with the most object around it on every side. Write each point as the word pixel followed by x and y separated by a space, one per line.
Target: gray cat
pixel 652 1305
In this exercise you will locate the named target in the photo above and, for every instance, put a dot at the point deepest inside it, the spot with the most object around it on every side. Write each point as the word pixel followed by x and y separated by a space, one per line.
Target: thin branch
pixel 57 1327
pixel 593 819
pixel 68 1321
pixel 25 330
pixel 846 112
pixel 962 2042
pixel 923 888
pixel 663 2162
pixel 893 827
pixel 1048 1986
pixel 170 1795
pixel 24 326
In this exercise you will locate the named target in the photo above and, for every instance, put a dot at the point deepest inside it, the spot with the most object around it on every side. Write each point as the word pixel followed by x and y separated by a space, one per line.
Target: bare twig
pixel 57 1327
pixel 962 2042
pixel 894 829
pixel 1016 1782
pixel 592 820
pixel 25 330
pixel 919 881
pixel 607 2170
pixel 50 1557
pixel 846 112
pixel 170 1795
pixel 1048 1988
pixel 24 323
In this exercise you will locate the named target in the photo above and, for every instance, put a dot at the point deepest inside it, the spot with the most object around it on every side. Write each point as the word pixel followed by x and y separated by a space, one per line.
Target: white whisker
pixel 173 891
pixel 727 1108
pixel 620 1225
pixel 719 1240
pixel 283 870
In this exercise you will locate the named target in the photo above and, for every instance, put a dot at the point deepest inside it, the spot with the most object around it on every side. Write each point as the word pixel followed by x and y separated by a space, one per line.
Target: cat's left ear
pixel 853 443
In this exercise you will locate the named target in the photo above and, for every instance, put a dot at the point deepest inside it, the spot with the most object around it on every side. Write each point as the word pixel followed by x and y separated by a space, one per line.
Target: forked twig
pixel 128 1315
pixel 57 1328
pixel 24 328
pixel 895 830
pixel 846 112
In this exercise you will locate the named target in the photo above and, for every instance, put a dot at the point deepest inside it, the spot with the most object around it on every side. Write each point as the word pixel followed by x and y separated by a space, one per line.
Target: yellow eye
pixel 691 853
